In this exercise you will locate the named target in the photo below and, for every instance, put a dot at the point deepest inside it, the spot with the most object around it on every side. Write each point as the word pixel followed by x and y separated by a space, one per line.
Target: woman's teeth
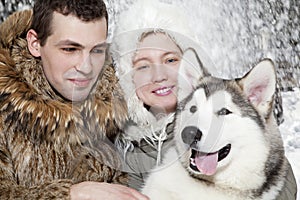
pixel 162 91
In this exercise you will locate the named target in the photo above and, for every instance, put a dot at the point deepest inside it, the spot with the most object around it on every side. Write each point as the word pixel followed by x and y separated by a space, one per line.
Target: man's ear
pixel 33 43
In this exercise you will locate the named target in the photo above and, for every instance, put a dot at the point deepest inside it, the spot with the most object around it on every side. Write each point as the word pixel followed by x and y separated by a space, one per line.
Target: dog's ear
pixel 191 70
pixel 259 85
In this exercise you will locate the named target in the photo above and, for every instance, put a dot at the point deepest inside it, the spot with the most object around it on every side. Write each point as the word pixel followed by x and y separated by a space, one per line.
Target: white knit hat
pixel 145 16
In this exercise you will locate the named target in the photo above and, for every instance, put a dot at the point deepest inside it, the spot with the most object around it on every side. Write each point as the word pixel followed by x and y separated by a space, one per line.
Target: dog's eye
pixel 224 111
pixel 193 109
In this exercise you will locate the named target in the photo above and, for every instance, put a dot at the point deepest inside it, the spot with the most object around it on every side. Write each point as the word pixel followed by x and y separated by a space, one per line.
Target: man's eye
pixel 69 49
pixel 224 111
pixel 99 51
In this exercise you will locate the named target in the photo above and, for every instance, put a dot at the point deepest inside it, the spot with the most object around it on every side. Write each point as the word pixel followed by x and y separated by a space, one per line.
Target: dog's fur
pixel 231 120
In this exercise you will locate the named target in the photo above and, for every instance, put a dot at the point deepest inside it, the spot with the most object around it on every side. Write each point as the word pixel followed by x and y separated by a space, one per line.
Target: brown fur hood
pixel 29 105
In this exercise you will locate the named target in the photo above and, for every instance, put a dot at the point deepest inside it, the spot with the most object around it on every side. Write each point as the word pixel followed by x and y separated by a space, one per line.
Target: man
pixel 59 105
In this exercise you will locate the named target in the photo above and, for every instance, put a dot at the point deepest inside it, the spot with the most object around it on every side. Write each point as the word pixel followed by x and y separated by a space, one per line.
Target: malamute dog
pixel 227 143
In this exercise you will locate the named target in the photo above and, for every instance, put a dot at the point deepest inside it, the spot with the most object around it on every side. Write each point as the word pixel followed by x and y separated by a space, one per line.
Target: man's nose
pixel 85 66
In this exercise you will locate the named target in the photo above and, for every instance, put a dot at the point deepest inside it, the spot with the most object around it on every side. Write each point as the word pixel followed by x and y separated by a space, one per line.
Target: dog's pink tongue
pixel 207 163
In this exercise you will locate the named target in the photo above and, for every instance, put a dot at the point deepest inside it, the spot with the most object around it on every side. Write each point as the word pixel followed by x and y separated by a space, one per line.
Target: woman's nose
pixel 159 73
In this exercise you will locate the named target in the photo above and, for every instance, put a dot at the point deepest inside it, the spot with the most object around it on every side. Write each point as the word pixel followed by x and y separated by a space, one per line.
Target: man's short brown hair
pixel 85 10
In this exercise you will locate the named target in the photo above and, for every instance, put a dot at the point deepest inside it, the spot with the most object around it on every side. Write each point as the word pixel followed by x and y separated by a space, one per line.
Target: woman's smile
pixel 163 91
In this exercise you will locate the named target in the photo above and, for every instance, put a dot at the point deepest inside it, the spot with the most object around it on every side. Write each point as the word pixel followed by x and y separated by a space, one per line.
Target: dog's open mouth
pixel 206 163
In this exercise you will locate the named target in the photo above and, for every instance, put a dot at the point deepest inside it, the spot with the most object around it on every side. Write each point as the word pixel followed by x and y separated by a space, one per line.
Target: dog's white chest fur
pixel 171 181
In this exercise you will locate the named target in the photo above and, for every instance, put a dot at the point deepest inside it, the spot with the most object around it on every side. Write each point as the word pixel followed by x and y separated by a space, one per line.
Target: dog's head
pixel 220 125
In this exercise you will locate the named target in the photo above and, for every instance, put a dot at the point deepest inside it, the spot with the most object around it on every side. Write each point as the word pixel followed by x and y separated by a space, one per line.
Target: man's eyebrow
pixel 69 43
pixel 76 44
pixel 101 45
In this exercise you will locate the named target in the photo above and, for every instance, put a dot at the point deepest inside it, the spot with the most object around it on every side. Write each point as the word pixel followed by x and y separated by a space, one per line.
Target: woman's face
pixel 156 64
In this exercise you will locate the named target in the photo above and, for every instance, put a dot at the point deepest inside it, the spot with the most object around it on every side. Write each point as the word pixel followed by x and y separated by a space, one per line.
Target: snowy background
pixel 235 35
pixel 290 130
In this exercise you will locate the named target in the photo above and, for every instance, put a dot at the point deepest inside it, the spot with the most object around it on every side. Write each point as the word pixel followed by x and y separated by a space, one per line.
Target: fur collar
pixel 29 105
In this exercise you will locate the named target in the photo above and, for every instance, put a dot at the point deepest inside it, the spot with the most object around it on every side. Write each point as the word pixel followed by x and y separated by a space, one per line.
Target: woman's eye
pixel 224 111
pixel 141 67
pixel 171 60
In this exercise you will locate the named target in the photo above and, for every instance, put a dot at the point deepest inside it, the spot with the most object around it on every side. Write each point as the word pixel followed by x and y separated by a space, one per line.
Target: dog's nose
pixel 191 135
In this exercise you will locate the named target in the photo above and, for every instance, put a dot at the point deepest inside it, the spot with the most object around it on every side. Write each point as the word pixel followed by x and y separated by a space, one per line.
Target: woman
pixel 147 49
pixel 147 60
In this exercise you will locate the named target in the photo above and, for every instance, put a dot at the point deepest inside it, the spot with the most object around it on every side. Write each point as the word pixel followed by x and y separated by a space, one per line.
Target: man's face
pixel 74 55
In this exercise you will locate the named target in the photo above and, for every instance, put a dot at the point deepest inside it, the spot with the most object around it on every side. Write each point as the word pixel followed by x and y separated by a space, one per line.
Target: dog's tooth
pixel 192 161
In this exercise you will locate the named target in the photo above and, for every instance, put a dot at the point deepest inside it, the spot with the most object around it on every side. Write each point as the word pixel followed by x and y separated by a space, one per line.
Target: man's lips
pixel 163 91
pixel 80 82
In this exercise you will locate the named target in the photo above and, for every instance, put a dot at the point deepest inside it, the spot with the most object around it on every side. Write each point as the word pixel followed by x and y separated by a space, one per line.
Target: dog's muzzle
pixel 191 135
pixel 203 162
